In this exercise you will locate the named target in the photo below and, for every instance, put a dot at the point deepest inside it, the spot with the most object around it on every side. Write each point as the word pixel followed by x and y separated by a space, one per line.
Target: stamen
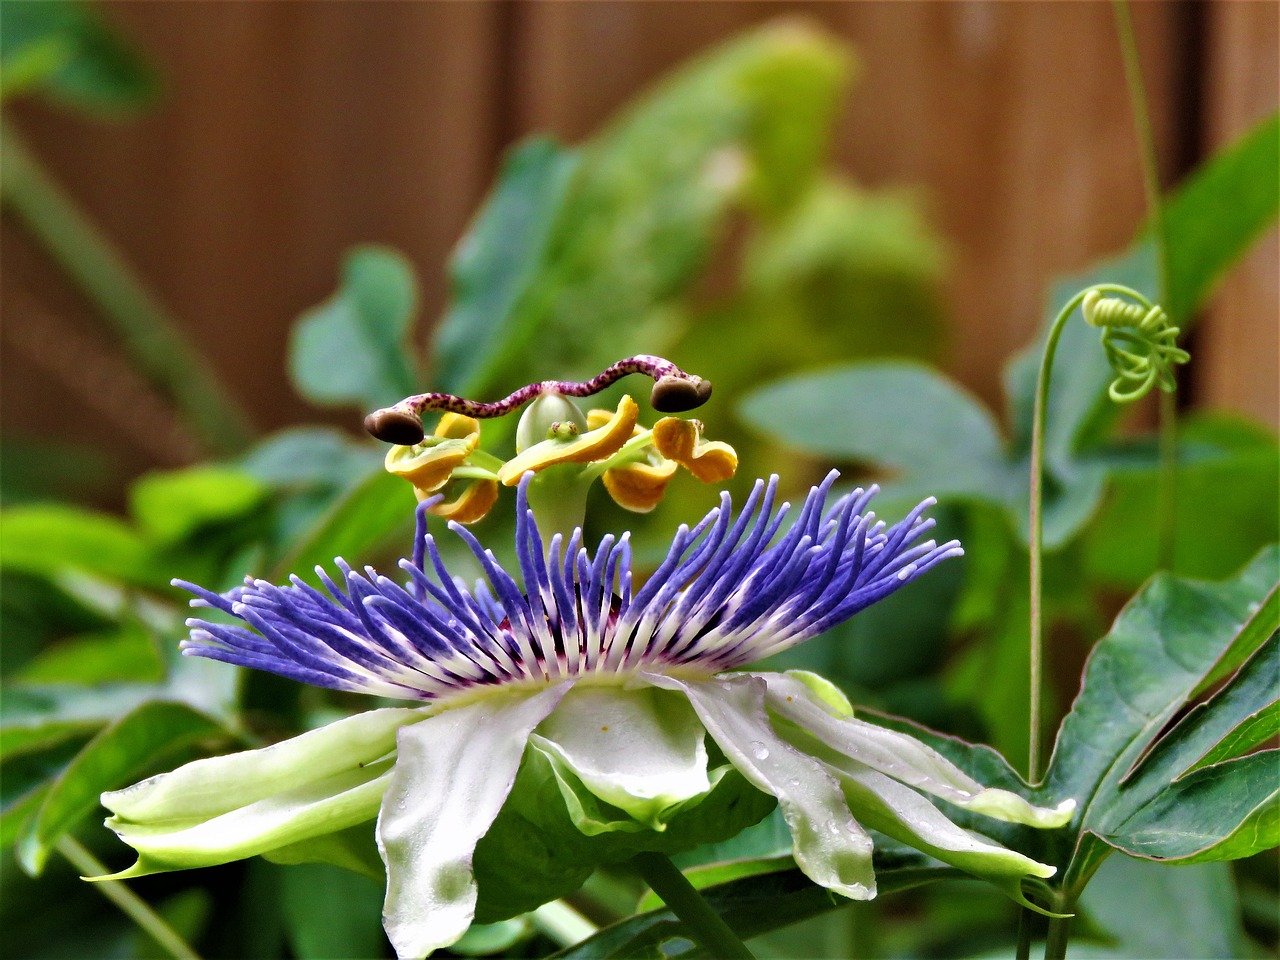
pixel 674 391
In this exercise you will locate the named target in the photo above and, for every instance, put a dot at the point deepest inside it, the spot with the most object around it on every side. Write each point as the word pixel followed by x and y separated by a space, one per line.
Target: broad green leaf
pixel 750 906
pixel 33 706
pixel 1223 812
pixel 354 348
pixel 1218 213
pixel 1158 652
pixel 493 267
pixel 15 815
pixel 934 436
pixel 17 738
pixel 332 913
pixel 67 51
pixel 366 517
pixel 169 507
pixel 37 610
pixel 121 751
pixel 47 538
pixel 1150 911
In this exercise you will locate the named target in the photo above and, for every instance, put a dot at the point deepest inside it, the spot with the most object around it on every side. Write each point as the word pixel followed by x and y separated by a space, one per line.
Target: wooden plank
pixel 1237 360
pixel 1012 118
pixel 289 131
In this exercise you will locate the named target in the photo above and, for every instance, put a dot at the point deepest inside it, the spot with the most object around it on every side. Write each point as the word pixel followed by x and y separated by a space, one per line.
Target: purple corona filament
pixel 732 590
pixel 674 391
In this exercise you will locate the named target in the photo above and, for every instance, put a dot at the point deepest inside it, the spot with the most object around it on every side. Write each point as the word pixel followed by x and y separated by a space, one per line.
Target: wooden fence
pixel 291 130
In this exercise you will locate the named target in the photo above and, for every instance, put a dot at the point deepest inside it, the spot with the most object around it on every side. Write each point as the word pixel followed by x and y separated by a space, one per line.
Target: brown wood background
pixel 291 130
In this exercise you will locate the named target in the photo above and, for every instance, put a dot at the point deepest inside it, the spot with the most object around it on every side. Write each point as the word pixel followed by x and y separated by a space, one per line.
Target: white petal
pixel 641 750
pixel 900 756
pixel 829 846
pixel 452 775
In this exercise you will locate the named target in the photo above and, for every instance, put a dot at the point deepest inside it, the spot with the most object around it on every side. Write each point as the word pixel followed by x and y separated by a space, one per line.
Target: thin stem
pixel 147 332
pixel 1024 935
pixel 1037 518
pixel 685 902
pixel 133 906
pixel 1166 483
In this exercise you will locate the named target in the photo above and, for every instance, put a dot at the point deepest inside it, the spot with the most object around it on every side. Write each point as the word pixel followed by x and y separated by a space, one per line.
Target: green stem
pixel 694 912
pixel 1166 483
pixel 133 906
pixel 1024 935
pixel 1037 517
pixel 1055 944
pixel 562 923
pixel 146 330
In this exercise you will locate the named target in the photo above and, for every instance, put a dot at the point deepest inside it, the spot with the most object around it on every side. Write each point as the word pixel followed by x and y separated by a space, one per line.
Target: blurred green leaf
pixel 1218 213
pixel 332 913
pixel 119 753
pixel 48 538
pixel 1228 503
pixel 35 611
pixel 1149 911
pixel 171 506
pixel 354 348
pixel 367 517
pixel 125 653
pixel 67 51
pixel 496 262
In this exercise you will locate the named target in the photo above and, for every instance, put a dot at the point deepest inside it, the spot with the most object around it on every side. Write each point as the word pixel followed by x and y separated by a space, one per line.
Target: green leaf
pixel 48 538
pixel 934 436
pixel 332 913
pixel 1163 645
pixel 118 753
pixel 353 349
pixel 368 516
pixel 1217 215
pixel 124 654
pixel 1223 812
pixel 751 906
pixel 169 507
pixel 497 261
pixel 67 51
pixel 1149 911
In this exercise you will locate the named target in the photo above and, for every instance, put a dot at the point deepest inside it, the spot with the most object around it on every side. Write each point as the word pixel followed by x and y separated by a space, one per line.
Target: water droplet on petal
pixel 759 750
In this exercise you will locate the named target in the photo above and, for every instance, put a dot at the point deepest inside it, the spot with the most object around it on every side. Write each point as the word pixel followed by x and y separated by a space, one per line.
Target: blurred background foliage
pixel 705 222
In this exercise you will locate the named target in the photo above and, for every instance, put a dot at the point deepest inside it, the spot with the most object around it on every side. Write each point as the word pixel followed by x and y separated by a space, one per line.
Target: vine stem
pixel 1167 478
pixel 694 912
pixel 146 331
pixel 129 902
pixel 1037 517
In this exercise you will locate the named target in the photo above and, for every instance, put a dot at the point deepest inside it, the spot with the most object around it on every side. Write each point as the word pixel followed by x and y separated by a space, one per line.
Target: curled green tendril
pixel 1139 341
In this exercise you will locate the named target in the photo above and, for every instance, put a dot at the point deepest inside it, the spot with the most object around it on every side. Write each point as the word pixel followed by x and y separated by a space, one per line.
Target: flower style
pixel 608 687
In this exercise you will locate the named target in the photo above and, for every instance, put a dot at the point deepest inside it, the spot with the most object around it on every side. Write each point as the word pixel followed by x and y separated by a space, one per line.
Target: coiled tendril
pixel 1139 341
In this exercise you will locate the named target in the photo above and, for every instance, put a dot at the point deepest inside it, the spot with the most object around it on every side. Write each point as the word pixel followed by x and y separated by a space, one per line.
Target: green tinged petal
pixel 452 775
pixel 899 756
pixel 640 750
pixel 829 845
pixel 228 808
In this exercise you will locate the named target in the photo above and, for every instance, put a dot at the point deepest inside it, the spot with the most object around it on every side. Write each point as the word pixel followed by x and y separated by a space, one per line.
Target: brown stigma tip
pixel 676 394
pixel 392 426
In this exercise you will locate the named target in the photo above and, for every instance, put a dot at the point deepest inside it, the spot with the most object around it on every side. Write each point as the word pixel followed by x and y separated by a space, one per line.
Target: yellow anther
pixel 711 461
pixel 429 464
pixel 639 487
pixel 598 444
pixel 475 501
